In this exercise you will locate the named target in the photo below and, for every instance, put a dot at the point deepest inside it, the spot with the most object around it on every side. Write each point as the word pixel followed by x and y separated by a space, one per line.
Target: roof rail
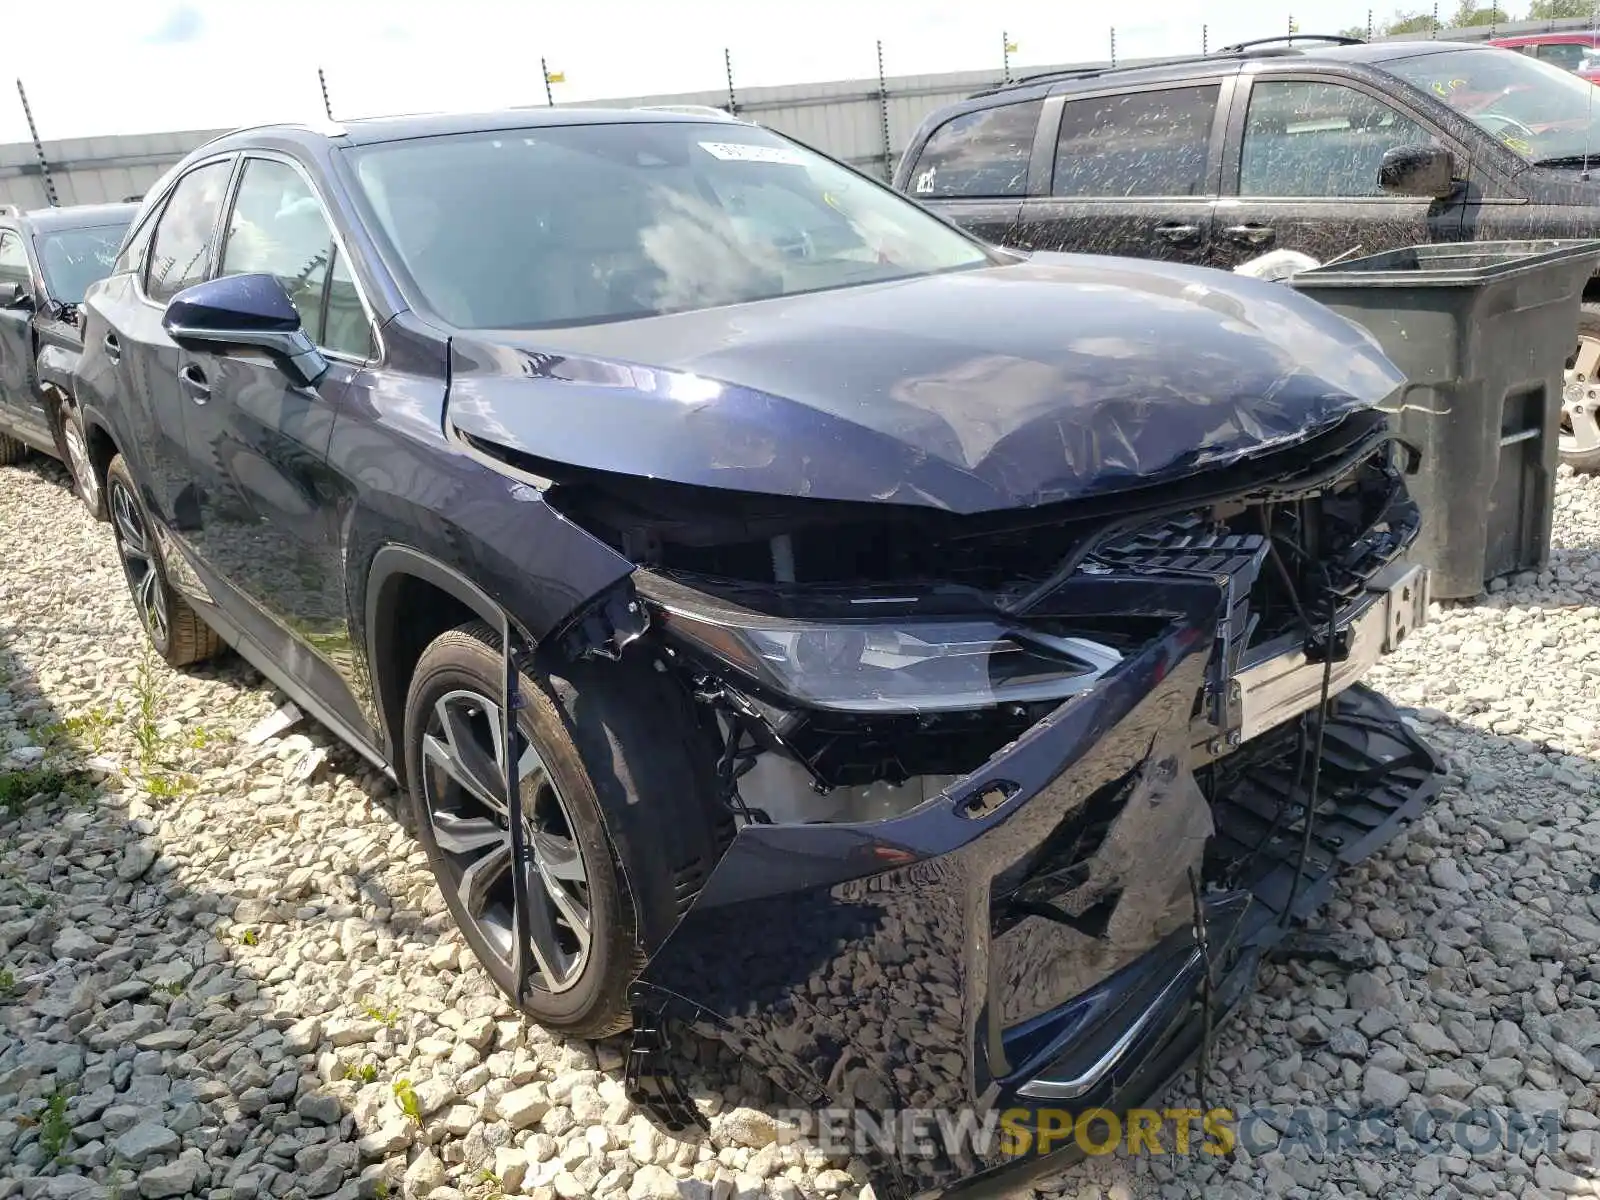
pixel 1337 39
pixel 1238 50
pixel 689 110
pixel 1090 72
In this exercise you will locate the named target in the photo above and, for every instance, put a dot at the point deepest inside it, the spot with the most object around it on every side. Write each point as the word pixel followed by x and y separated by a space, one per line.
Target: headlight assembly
pixel 880 665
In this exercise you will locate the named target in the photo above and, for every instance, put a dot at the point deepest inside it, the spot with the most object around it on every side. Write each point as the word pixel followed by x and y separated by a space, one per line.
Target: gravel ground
pixel 225 971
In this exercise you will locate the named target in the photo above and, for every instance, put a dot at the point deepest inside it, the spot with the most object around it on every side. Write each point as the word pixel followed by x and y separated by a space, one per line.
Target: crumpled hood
pixel 1004 387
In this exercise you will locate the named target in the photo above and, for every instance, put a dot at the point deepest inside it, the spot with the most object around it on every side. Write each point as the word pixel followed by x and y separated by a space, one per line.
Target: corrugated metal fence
pixel 865 122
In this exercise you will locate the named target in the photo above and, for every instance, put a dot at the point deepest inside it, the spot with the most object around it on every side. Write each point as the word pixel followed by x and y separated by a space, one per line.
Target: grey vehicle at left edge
pixel 48 258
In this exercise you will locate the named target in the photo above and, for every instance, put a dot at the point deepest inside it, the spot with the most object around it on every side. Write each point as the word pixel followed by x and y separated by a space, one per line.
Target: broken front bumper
pixel 1026 941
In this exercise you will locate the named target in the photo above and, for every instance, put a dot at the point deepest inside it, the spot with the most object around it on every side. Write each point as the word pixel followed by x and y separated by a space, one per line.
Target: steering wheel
pixel 1507 125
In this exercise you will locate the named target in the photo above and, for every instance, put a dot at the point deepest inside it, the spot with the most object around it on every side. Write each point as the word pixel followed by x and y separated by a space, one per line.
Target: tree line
pixel 1468 13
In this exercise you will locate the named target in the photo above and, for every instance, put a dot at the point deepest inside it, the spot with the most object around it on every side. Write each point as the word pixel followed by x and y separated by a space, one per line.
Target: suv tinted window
pixel 278 229
pixel 983 153
pixel 1319 139
pixel 1566 55
pixel 183 235
pixel 13 260
pixel 1139 144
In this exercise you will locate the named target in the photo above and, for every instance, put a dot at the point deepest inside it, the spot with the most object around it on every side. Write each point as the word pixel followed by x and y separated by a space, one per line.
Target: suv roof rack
pixel 1238 49
pixel 690 110
pixel 1336 39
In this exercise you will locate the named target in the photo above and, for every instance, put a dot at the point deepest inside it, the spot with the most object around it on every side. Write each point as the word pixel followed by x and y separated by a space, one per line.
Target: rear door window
pixel 1319 139
pixel 979 154
pixel 1153 143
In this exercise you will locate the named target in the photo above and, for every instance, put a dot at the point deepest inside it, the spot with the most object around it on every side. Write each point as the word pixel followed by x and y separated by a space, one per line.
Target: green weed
pixel 387 1017
pixel 55 1132
pixel 406 1097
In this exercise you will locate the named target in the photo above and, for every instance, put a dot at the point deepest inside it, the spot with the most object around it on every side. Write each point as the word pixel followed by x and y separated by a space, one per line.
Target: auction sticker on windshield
pixel 745 152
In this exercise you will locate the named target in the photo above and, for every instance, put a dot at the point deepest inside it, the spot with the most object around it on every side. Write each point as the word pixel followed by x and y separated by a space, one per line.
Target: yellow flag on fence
pixel 556 77
pixel 1011 47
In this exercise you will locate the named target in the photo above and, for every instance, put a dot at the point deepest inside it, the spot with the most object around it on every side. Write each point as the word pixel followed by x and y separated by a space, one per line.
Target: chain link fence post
pixel 883 118
pixel 38 150
pixel 322 82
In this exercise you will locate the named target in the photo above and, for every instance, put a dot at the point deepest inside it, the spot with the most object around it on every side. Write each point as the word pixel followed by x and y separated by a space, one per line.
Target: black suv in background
pixel 1326 146
pixel 48 257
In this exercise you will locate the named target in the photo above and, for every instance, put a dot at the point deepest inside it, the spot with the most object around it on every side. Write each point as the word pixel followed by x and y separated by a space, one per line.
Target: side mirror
pixel 245 312
pixel 1417 171
pixel 15 295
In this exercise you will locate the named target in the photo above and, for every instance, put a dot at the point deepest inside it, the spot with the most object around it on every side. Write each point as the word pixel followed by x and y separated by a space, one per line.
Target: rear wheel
pixel 614 801
pixel 175 630
pixel 75 447
pixel 1580 400
pixel 11 450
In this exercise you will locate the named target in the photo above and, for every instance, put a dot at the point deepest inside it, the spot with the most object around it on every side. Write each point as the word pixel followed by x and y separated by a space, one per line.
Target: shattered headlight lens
pixel 887 665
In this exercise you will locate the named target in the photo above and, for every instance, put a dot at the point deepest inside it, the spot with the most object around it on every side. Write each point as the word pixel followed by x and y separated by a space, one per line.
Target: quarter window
pixel 1139 144
pixel 181 248
pixel 1319 139
pixel 978 154
pixel 278 229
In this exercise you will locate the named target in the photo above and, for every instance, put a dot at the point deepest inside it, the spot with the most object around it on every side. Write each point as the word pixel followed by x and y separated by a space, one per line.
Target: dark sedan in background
pixel 785 613
pixel 48 257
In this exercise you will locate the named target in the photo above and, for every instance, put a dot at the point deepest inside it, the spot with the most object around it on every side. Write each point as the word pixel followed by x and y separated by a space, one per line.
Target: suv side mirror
pixel 245 312
pixel 15 295
pixel 1417 171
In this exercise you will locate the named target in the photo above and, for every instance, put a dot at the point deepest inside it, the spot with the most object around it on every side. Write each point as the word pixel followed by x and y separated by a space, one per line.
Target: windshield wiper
pixel 1575 161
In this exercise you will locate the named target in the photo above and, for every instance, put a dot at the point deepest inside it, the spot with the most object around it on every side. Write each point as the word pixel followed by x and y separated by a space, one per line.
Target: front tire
pixel 175 630
pixel 12 450
pixel 604 753
pixel 1580 402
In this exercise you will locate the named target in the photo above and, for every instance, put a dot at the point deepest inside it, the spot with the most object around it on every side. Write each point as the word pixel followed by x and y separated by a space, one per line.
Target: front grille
pixel 1278 556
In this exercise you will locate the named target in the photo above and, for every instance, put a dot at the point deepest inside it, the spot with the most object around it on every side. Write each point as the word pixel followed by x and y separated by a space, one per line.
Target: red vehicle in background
pixel 1575 52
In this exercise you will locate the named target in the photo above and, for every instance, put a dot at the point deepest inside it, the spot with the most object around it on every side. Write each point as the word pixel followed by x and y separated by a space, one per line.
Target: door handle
pixel 1251 235
pixel 192 382
pixel 1177 234
pixel 113 347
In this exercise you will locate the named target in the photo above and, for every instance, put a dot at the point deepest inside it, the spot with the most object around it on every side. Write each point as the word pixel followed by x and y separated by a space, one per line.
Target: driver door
pixel 1301 173
pixel 20 413
pixel 267 529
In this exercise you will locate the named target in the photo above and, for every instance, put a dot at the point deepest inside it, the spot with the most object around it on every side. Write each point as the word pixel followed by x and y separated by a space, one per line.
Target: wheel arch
pixel 103 446
pixel 411 598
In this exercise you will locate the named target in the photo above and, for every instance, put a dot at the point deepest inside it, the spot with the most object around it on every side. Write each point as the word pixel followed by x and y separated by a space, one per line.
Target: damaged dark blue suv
pixel 931 670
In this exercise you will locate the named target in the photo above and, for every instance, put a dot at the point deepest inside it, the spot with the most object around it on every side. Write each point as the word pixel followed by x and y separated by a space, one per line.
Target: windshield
pixel 1538 110
pixel 72 259
pixel 577 224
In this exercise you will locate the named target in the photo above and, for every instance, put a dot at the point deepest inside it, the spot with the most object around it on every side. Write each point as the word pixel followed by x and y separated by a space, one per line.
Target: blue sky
pixel 121 66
